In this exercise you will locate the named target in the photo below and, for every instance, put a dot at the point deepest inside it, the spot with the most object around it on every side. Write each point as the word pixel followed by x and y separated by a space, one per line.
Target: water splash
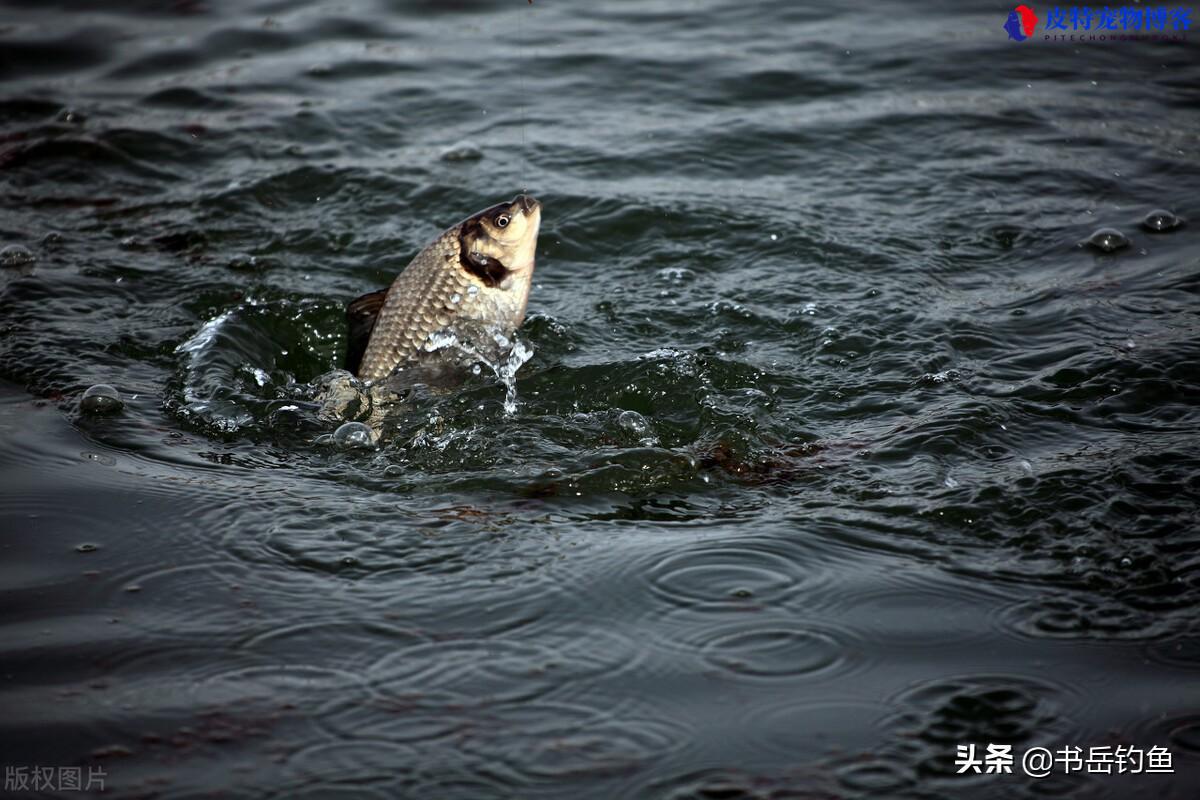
pixel 517 356
pixel 510 356
pixel 203 396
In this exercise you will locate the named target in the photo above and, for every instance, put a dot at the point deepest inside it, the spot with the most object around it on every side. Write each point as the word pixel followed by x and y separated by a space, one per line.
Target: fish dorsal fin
pixel 361 314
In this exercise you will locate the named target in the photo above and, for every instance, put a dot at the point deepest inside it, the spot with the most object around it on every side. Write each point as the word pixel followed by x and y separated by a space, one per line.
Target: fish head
pixel 500 243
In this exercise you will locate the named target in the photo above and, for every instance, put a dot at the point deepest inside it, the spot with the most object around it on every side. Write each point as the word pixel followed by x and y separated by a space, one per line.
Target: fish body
pixel 459 300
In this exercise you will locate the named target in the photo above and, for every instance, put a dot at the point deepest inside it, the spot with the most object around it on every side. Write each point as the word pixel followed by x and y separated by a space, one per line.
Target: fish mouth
pixel 527 203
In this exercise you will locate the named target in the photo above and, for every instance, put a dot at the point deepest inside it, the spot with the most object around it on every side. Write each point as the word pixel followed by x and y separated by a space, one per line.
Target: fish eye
pixel 502 221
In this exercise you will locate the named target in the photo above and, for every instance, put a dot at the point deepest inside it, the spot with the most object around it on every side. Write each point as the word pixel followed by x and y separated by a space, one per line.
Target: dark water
pixel 836 449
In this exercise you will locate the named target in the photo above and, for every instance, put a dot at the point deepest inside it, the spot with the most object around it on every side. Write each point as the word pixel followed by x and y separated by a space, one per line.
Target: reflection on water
pixel 853 417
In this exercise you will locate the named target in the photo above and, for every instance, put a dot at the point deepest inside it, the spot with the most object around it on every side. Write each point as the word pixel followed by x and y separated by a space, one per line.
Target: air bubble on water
pixel 1160 220
pixel 260 376
pixel 1026 466
pixel 633 422
pixel 462 151
pixel 353 436
pixel 1108 240
pixel 1126 562
pixel 243 261
pixel 639 426
pixel 810 309
pixel 676 274
pixel 472 290
pixel 87 547
pixel 100 399
pixel 476 369
pixel 774 237
pixel 14 255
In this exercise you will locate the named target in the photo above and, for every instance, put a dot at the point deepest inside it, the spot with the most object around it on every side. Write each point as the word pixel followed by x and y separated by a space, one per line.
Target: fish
pixel 460 300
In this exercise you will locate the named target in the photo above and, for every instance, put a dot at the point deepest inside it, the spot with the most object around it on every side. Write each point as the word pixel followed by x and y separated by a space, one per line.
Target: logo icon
pixel 1021 22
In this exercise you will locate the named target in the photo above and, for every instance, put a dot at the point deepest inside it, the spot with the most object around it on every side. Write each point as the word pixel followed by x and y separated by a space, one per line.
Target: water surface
pixel 837 448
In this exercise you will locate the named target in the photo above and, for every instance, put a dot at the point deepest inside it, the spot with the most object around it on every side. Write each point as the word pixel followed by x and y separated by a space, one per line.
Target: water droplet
pixel 472 290
pixel 354 435
pixel 14 255
pixel 100 399
pixel 476 369
pixel 455 298
pixel 440 340
pixel 1160 220
pixel 774 237
pixel 1108 239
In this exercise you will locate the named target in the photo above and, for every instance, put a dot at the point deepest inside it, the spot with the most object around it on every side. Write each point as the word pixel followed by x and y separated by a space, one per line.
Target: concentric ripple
pixel 747 574
pixel 553 743
pixel 773 652
pixel 467 672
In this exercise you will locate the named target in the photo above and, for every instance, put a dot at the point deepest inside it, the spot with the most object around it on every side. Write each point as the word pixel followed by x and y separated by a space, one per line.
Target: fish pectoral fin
pixel 361 314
